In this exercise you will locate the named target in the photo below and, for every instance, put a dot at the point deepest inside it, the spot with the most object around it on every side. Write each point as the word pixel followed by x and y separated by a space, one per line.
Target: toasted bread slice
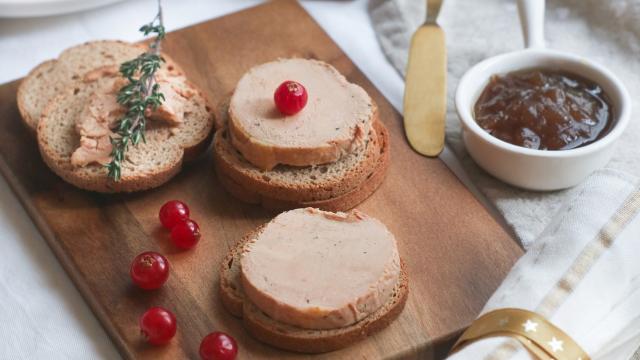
pixel 337 118
pixel 231 292
pixel 341 202
pixel 50 78
pixel 291 186
pixel 296 339
pixel 35 91
pixel 293 338
pixel 147 165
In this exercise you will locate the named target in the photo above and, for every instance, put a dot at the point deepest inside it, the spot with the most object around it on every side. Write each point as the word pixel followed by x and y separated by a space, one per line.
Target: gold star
pixel 530 326
pixel 556 345
pixel 504 321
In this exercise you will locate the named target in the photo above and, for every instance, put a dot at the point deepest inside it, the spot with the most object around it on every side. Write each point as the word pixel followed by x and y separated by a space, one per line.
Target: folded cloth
pixel 582 274
pixel 607 32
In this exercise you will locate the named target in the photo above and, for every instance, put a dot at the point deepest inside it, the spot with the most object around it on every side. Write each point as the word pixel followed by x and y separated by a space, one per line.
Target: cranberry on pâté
pixel 290 97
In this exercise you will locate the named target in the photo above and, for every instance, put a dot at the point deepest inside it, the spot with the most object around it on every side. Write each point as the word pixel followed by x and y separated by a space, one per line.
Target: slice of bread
pixel 293 338
pixel 313 183
pixel 147 165
pixel 296 186
pixel 296 339
pixel 35 91
pixel 230 284
pixel 341 202
pixel 50 78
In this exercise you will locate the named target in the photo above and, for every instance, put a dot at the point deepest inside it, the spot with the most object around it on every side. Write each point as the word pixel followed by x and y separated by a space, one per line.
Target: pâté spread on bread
pixel 75 125
pixel 315 281
pixel 321 270
pixel 52 77
pixel 337 116
pixel 102 112
pixel 297 133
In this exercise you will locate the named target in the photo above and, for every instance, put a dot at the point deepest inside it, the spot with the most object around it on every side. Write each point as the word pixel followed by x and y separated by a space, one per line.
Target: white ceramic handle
pixel 532 21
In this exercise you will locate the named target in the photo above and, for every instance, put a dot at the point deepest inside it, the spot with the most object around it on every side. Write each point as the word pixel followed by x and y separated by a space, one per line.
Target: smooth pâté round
pixel 336 120
pixel 290 97
pixel 218 346
pixel 172 213
pixel 149 270
pixel 185 234
pixel 158 325
pixel 358 257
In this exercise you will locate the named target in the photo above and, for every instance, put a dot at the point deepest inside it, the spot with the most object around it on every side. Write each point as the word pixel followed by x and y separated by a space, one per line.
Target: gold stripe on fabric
pixel 534 332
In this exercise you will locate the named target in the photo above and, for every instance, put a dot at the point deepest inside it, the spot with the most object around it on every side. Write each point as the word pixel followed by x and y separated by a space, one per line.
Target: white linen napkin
pixel 606 31
pixel 582 274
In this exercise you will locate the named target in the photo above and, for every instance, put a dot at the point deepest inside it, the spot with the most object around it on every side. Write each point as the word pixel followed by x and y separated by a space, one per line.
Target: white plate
pixel 32 8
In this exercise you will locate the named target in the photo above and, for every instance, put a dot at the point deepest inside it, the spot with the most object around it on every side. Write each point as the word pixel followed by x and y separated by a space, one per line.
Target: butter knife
pixel 425 91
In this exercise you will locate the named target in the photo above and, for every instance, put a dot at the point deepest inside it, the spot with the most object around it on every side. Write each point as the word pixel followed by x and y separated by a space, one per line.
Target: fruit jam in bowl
pixel 540 119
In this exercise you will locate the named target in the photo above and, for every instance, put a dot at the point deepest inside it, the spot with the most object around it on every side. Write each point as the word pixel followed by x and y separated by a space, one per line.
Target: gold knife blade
pixel 425 102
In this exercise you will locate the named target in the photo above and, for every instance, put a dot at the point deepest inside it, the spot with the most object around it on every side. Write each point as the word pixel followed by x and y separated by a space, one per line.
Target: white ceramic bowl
pixel 529 168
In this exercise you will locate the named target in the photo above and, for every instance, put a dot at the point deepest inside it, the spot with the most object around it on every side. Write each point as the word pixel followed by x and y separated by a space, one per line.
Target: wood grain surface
pixel 455 252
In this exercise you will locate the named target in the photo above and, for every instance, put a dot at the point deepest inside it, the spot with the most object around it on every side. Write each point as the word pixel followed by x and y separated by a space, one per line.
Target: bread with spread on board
pixel 72 103
pixel 51 77
pixel 111 116
pixel 316 141
pixel 315 281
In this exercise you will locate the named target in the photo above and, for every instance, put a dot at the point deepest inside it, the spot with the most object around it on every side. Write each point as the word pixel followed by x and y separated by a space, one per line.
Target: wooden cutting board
pixel 456 253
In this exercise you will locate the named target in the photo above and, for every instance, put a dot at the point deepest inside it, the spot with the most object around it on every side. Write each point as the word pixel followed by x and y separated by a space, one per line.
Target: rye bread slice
pixel 147 165
pixel 35 91
pixel 50 78
pixel 342 202
pixel 307 184
pixel 288 337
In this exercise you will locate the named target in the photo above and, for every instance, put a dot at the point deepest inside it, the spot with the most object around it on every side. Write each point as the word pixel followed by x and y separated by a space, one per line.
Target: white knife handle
pixel 532 21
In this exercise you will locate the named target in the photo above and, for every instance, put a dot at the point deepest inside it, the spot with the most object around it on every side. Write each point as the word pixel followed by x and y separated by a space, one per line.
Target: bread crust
pixel 272 188
pixel 230 287
pixel 99 182
pixel 319 341
pixel 358 194
pixel 296 339
pixel 23 88
pixel 70 50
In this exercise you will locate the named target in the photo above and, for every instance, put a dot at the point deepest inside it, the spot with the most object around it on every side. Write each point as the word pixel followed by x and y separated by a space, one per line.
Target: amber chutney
pixel 544 109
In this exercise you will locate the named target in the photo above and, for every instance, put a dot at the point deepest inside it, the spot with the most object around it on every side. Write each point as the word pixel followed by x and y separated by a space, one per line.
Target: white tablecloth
pixel 42 315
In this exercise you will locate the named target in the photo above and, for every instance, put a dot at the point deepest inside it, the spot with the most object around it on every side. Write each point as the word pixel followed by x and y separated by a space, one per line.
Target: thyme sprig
pixel 142 92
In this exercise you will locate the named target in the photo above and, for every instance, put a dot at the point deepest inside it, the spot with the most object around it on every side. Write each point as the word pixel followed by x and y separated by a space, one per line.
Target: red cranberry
pixel 172 213
pixel 218 346
pixel 158 326
pixel 290 97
